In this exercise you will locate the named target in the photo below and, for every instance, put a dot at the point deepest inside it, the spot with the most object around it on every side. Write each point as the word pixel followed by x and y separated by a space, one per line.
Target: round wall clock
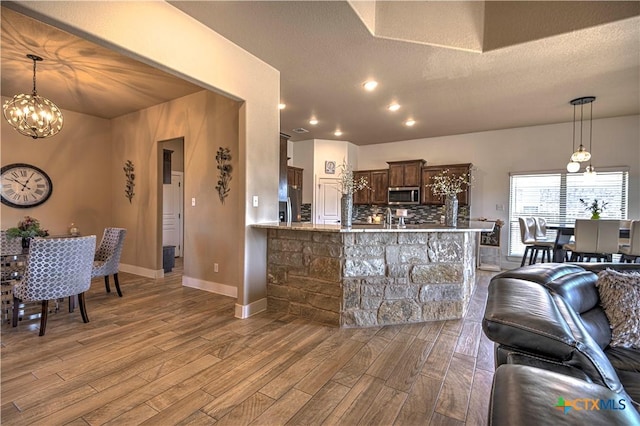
pixel 24 186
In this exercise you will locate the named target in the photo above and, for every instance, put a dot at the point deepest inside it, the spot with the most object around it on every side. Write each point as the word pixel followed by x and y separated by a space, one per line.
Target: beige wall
pixel 206 121
pixel 77 161
pixel 178 44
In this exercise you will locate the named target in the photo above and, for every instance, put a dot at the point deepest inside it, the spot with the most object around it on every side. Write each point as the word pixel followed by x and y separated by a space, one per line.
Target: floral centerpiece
pixel 595 207
pixel 347 185
pixel 446 183
pixel 449 185
pixel 29 227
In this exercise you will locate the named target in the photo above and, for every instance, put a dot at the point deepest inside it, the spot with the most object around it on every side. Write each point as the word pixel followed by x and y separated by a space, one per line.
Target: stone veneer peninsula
pixel 369 276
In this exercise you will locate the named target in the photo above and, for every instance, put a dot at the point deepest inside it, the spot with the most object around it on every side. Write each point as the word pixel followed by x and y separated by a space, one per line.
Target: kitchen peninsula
pixel 370 275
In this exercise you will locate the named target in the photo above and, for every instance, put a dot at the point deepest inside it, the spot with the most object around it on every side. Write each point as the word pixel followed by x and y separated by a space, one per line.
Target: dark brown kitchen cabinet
pixel 294 176
pixel 364 195
pixel 378 181
pixel 454 169
pixel 380 186
pixel 405 173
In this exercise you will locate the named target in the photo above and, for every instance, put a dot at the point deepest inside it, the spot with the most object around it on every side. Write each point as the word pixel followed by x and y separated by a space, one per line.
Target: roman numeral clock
pixel 24 186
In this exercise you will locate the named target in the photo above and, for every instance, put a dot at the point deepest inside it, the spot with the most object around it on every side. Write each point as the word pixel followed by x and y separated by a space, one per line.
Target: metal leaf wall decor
pixel 223 157
pixel 128 172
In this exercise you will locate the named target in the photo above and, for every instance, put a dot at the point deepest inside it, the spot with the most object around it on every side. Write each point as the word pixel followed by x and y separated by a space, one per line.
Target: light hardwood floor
pixel 166 354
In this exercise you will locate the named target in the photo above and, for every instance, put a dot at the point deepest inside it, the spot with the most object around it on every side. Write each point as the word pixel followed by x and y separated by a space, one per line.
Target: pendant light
pixel 32 115
pixel 573 166
pixel 590 171
pixel 581 155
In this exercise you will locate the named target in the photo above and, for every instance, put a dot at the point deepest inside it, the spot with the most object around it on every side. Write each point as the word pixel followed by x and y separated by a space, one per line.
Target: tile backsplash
pixel 415 213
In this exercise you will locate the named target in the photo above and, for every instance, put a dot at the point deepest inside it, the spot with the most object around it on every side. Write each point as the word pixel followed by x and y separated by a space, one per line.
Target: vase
pixel 346 210
pixel 25 244
pixel 451 210
pixel 595 216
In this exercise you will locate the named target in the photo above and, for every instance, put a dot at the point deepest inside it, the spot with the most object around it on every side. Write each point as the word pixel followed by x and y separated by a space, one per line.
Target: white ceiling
pixel 521 65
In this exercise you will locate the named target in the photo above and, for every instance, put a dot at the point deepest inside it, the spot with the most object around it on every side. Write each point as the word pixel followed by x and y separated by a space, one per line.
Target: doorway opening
pixel 172 181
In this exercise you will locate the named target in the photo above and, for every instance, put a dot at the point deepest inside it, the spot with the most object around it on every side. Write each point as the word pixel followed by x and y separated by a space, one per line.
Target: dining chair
pixel 9 245
pixel 585 240
pixel 56 268
pixel 631 252
pixel 595 239
pixel 608 239
pixel 532 247
pixel 107 258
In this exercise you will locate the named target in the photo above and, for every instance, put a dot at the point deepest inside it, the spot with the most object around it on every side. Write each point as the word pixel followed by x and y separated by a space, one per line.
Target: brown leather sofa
pixel 552 341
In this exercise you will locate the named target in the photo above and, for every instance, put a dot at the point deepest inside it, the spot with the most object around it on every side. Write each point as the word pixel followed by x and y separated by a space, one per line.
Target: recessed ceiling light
pixel 313 121
pixel 338 133
pixel 370 85
pixel 410 122
pixel 282 106
pixel 394 107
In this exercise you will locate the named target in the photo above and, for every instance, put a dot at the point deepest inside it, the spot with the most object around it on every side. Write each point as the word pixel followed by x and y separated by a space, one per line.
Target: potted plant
pixel 595 207
pixel 27 228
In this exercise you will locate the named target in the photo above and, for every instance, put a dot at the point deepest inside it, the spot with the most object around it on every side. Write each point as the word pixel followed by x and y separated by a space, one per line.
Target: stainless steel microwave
pixel 404 195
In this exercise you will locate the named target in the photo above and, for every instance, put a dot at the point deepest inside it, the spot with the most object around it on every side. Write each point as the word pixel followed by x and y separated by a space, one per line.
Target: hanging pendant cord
pixel 34 77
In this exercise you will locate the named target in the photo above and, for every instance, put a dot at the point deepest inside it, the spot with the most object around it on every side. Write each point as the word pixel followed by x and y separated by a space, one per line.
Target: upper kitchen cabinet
pixel 405 173
pixel 378 181
pixel 429 172
pixel 294 176
pixel 380 186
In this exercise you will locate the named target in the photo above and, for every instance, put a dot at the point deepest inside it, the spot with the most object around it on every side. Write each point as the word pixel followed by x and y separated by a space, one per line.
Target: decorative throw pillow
pixel 620 299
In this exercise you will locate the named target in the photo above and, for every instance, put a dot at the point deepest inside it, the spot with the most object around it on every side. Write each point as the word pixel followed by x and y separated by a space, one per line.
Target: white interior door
pixel 328 202
pixel 172 217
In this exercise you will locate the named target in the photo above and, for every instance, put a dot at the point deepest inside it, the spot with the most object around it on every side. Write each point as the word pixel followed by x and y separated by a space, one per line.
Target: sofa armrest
pixel 525 315
pixel 524 395
pixel 513 356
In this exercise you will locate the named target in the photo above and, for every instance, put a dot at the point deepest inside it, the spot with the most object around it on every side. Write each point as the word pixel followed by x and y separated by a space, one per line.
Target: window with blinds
pixel 556 197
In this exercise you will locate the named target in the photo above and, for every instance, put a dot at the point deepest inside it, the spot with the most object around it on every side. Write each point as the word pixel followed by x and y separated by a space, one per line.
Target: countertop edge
pixel 369 228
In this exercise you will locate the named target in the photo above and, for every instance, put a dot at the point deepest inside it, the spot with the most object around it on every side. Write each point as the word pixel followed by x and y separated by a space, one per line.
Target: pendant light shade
pixel 32 115
pixel 581 154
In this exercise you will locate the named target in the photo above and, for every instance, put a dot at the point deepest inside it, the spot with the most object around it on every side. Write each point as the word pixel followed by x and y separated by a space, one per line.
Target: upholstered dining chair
pixel 532 247
pixel 585 240
pixel 9 245
pixel 107 258
pixel 631 252
pixel 594 239
pixel 56 268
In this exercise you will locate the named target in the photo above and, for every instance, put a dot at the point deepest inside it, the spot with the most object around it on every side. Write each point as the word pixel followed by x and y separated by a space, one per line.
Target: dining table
pixel 564 232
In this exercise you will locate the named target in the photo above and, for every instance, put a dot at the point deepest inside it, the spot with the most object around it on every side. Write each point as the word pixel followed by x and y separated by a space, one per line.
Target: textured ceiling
pixel 533 61
pixel 79 75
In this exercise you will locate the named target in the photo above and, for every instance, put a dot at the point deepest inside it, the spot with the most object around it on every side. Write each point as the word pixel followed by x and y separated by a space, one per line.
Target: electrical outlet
pixel 500 207
pixel 215 267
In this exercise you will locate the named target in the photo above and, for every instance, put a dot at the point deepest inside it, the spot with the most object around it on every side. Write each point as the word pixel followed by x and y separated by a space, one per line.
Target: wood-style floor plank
pixel 168 354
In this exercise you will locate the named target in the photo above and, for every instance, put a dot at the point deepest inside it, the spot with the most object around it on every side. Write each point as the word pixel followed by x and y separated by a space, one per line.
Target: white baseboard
pixel 245 311
pixel 212 287
pixel 144 272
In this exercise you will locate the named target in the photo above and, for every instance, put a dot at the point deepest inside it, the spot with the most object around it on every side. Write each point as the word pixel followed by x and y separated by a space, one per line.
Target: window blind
pixel 556 196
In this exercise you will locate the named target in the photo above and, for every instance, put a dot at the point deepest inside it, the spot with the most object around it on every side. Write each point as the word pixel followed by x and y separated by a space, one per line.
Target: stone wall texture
pixel 370 279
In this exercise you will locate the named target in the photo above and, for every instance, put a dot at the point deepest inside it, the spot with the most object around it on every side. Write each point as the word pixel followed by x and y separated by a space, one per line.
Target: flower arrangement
pixel 29 227
pixel 347 184
pixel 223 157
pixel 595 207
pixel 446 183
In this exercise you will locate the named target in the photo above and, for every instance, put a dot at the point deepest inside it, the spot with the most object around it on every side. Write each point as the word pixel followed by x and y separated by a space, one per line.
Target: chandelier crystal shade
pixel 32 115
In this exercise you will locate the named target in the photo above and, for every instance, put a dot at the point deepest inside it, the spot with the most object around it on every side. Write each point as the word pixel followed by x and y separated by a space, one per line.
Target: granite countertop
pixel 473 226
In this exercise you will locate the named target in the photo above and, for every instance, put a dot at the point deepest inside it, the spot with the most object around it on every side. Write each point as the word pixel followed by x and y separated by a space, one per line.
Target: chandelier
pixel 581 154
pixel 32 115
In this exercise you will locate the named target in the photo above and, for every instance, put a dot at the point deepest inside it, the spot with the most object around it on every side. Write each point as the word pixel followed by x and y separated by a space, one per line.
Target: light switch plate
pixel 255 201
pixel 193 202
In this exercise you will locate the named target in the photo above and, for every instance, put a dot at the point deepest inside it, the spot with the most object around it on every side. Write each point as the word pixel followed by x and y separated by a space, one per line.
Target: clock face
pixel 24 186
